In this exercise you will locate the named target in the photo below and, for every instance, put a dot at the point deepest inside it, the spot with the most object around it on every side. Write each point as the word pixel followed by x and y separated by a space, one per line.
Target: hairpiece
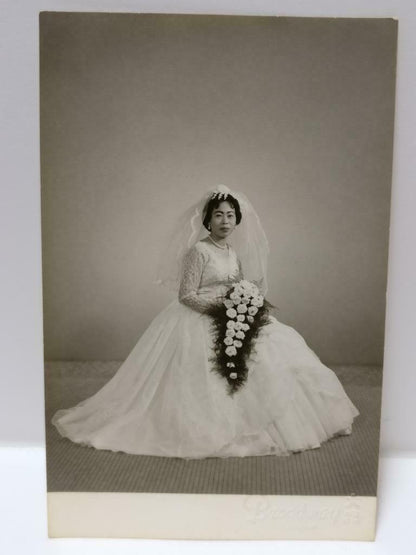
pixel 219 195
pixel 221 192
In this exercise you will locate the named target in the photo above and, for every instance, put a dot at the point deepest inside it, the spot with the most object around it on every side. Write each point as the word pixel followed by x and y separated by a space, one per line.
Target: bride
pixel 166 400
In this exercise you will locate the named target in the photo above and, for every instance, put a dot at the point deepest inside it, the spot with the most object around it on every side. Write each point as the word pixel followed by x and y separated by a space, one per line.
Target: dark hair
pixel 213 203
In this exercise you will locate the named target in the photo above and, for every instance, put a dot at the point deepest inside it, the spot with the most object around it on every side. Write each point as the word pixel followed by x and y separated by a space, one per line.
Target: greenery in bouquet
pixel 236 324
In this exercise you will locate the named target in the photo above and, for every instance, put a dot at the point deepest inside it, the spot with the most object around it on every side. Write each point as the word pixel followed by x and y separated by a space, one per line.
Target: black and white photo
pixel 215 222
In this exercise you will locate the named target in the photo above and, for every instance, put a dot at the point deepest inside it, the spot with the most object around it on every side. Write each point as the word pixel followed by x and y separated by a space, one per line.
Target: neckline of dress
pixel 213 247
pixel 223 248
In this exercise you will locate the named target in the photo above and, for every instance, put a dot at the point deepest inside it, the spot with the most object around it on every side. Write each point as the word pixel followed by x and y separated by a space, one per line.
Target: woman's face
pixel 223 220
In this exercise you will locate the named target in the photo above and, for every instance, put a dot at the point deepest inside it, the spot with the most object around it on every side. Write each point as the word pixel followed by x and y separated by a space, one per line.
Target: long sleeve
pixel 192 268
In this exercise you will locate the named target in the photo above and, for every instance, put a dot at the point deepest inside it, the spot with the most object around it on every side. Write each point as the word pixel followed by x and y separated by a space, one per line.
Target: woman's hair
pixel 213 203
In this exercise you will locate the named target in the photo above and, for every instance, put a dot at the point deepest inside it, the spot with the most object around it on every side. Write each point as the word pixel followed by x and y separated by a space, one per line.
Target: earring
pixel 209 227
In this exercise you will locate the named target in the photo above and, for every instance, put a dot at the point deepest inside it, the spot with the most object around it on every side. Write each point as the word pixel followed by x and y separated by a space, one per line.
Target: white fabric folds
pixel 165 400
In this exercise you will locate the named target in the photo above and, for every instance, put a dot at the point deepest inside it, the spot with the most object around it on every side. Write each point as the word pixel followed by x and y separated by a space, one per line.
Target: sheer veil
pixel 248 240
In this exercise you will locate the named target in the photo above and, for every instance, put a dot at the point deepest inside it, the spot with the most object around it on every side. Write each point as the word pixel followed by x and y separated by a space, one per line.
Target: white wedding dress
pixel 166 400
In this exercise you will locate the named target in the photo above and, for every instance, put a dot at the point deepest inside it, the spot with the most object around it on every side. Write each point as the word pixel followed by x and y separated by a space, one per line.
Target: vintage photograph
pixel 215 225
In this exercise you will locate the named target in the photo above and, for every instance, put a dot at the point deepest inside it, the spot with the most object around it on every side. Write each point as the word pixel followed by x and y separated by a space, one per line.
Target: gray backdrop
pixel 141 114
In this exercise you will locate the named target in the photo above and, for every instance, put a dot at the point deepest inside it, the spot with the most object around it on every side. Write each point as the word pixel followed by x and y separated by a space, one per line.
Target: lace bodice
pixel 207 272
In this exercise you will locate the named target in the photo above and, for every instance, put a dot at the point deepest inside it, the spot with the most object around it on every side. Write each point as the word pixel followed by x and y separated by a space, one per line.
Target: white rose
pixel 257 301
pixel 240 335
pixel 228 303
pixel 241 308
pixel 250 319
pixel 228 341
pixel 253 310
pixel 231 313
pixel 237 343
pixel 231 351
pixel 249 287
pixel 245 327
pixel 234 296
pixel 241 317
pixel 238 326
pixel 231 324
pixel 245 299
pixel 230 332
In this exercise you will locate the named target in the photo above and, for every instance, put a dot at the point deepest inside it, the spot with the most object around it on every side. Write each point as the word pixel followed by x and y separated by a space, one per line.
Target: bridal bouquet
pixel 236 324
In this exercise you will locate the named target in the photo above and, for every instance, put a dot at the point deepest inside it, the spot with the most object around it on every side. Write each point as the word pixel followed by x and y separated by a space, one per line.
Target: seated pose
pixel 167 400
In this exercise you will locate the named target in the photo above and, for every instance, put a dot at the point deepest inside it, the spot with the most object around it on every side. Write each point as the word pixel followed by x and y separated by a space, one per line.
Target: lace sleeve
pixel 192 267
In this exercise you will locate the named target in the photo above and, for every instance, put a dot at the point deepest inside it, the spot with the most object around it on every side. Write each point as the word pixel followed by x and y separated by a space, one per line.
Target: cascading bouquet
pixel 236 324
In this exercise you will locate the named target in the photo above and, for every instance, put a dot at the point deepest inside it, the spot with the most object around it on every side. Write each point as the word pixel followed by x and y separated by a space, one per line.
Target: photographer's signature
pixel 309 513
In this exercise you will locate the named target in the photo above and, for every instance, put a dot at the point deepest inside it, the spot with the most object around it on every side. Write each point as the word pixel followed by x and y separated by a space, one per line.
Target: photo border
pixel 189 516
pixel 211 517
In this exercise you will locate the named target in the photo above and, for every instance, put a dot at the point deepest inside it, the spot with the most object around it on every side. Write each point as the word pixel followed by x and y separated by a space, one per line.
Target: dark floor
pixel 342 466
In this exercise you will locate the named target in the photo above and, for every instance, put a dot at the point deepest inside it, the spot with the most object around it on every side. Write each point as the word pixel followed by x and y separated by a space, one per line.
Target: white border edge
pixel 211 517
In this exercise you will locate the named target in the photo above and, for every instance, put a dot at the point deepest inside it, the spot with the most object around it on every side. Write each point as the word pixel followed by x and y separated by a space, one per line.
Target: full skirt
pixel 166 400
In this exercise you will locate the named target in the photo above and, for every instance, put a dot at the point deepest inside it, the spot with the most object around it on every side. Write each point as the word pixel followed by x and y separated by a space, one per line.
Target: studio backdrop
pixel 142 114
